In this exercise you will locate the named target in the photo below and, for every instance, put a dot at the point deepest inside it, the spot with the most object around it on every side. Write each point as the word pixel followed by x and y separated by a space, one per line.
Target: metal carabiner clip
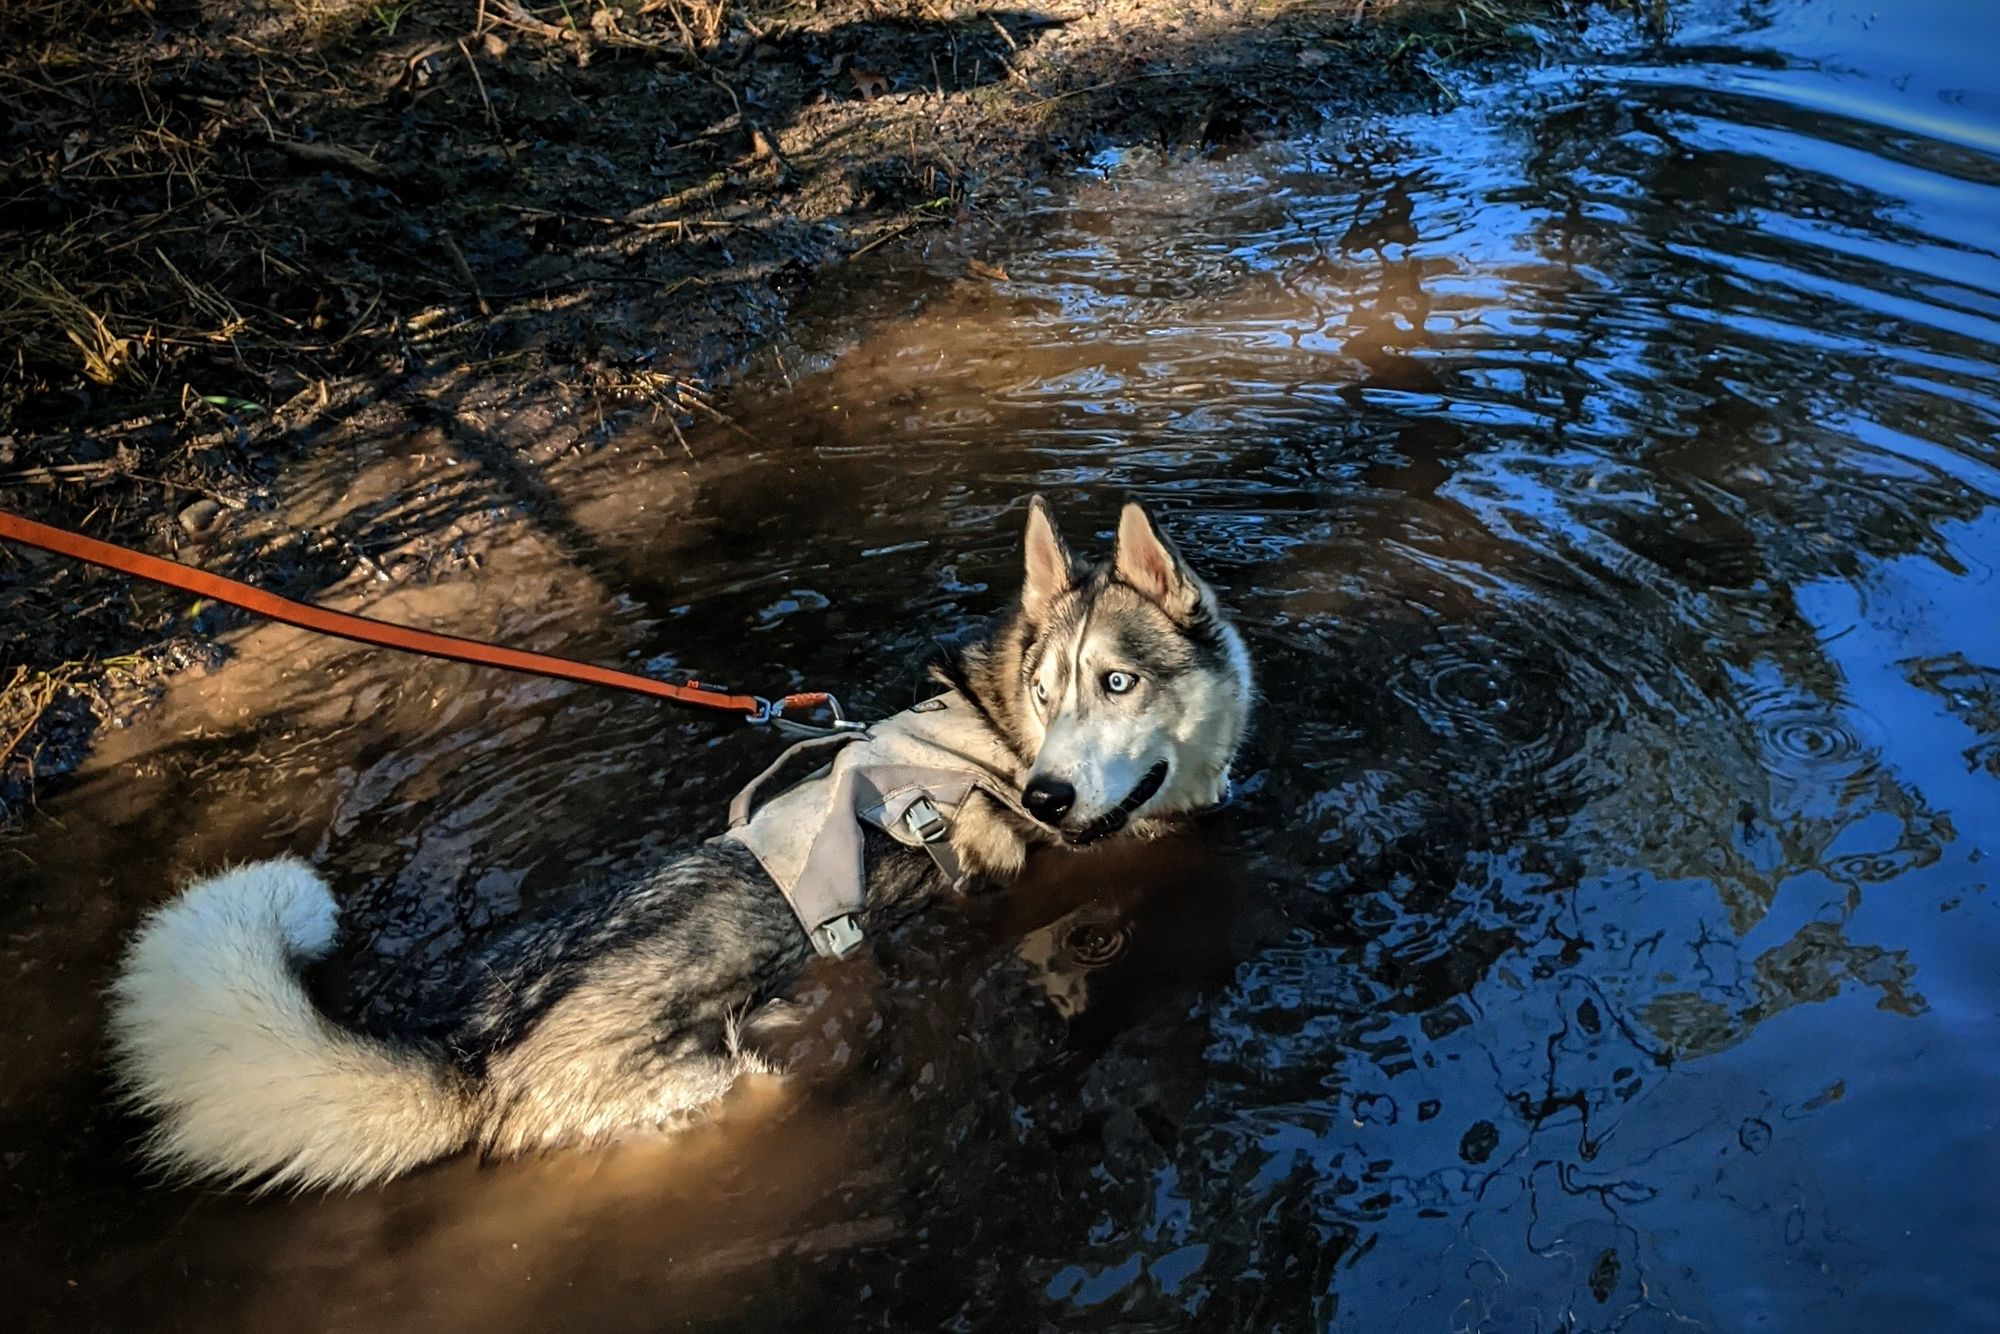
pixel 774 713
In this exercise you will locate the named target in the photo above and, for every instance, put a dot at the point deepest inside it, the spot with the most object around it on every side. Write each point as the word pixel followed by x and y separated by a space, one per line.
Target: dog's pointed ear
pixel 1148 561
pixel 1049 573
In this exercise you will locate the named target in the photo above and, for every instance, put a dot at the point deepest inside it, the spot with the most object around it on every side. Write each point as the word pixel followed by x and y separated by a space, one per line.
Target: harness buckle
pixel 925 820
pixel 838 937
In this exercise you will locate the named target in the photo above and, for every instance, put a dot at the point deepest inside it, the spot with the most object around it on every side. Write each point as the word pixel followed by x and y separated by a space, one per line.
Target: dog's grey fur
pixel 624 1013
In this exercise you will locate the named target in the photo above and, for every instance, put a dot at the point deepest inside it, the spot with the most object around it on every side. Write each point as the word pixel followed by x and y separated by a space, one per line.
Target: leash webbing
pixel 385 634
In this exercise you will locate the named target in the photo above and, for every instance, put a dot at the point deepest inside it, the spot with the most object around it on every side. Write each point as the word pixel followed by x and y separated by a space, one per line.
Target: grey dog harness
pixel 908 776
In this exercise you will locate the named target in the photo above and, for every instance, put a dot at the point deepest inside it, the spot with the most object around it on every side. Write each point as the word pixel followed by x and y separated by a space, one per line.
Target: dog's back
pixel 616 1015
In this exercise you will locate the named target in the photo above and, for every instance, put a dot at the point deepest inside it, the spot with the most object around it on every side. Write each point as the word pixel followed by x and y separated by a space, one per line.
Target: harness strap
pixel 806 817
pixel 744 804
pixel 838 937
pixel 927 822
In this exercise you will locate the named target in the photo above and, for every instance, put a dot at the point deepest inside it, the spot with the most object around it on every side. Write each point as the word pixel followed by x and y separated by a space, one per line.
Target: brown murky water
pixel 1606 473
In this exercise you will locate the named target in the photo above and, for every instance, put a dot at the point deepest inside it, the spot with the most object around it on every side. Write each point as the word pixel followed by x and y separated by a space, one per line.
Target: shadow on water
pixel 1606 476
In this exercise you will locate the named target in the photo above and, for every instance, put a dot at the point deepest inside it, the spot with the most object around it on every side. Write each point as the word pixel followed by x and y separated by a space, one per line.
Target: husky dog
pixel 1113 699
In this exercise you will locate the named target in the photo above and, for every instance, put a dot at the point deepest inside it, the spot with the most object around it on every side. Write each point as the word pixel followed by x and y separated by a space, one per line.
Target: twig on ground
pixel 465 272
pixel 92 472
pixel 38 708
pixel 512 14
pixel 886 237
pixel 338 156
pixel 694 399
pixel 485 101
pixel 679 435
pixel 1111 83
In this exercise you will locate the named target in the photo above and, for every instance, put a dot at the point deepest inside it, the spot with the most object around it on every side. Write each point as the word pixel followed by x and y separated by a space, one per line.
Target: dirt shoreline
pixel 237 234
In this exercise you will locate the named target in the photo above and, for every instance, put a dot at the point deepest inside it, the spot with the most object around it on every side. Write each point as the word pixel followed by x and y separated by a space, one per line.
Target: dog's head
pixel 1122 686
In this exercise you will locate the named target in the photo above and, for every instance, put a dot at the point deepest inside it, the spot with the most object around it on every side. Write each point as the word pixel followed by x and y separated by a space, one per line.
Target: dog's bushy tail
pixel 213 1033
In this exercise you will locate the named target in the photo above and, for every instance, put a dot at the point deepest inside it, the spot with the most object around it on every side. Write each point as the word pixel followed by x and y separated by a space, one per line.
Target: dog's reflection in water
pixel 1068 950
pixel 1111 936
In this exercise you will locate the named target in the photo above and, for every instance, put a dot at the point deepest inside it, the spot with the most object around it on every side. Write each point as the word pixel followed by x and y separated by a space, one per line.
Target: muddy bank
pixel 235 234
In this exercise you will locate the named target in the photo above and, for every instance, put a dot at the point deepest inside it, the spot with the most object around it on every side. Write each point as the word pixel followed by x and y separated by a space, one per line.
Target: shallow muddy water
pixel 1606 474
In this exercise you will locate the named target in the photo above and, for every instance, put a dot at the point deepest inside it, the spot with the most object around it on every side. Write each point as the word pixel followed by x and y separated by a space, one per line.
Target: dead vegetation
pixel 228 225
pixel 49 711
pixel 190 189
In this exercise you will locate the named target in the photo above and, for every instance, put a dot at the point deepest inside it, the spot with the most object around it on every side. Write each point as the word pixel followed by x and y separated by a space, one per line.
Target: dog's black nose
pixel 1048 799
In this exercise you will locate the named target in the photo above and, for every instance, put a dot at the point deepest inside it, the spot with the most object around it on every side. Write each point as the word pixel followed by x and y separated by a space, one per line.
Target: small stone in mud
pixel 494 44
pixel 1587 1015
pixel 1604 1276
pixel 1375 1109
pixel 200 517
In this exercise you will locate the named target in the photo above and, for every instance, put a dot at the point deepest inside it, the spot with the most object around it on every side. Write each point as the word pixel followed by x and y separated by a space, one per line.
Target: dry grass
pixel 24 701
pixel 1469 26
pixel 152 218
pixel 700 21
pixel 144 218
pixel 45 319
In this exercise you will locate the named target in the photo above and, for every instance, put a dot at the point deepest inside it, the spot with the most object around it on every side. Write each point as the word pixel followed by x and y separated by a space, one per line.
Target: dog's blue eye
pixel 1119 682
pixel 1041 693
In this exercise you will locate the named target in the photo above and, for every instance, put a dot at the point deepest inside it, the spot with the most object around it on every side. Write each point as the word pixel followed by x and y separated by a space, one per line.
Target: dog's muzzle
pixel 1113 820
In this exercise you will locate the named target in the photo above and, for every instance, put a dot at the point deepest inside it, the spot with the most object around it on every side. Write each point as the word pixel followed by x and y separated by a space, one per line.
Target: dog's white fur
pixel 209 994
pixel 1103 746
pixel 213 1034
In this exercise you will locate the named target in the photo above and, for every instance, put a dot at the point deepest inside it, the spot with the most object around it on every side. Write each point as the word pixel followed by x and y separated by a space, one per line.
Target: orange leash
pixel 382 634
